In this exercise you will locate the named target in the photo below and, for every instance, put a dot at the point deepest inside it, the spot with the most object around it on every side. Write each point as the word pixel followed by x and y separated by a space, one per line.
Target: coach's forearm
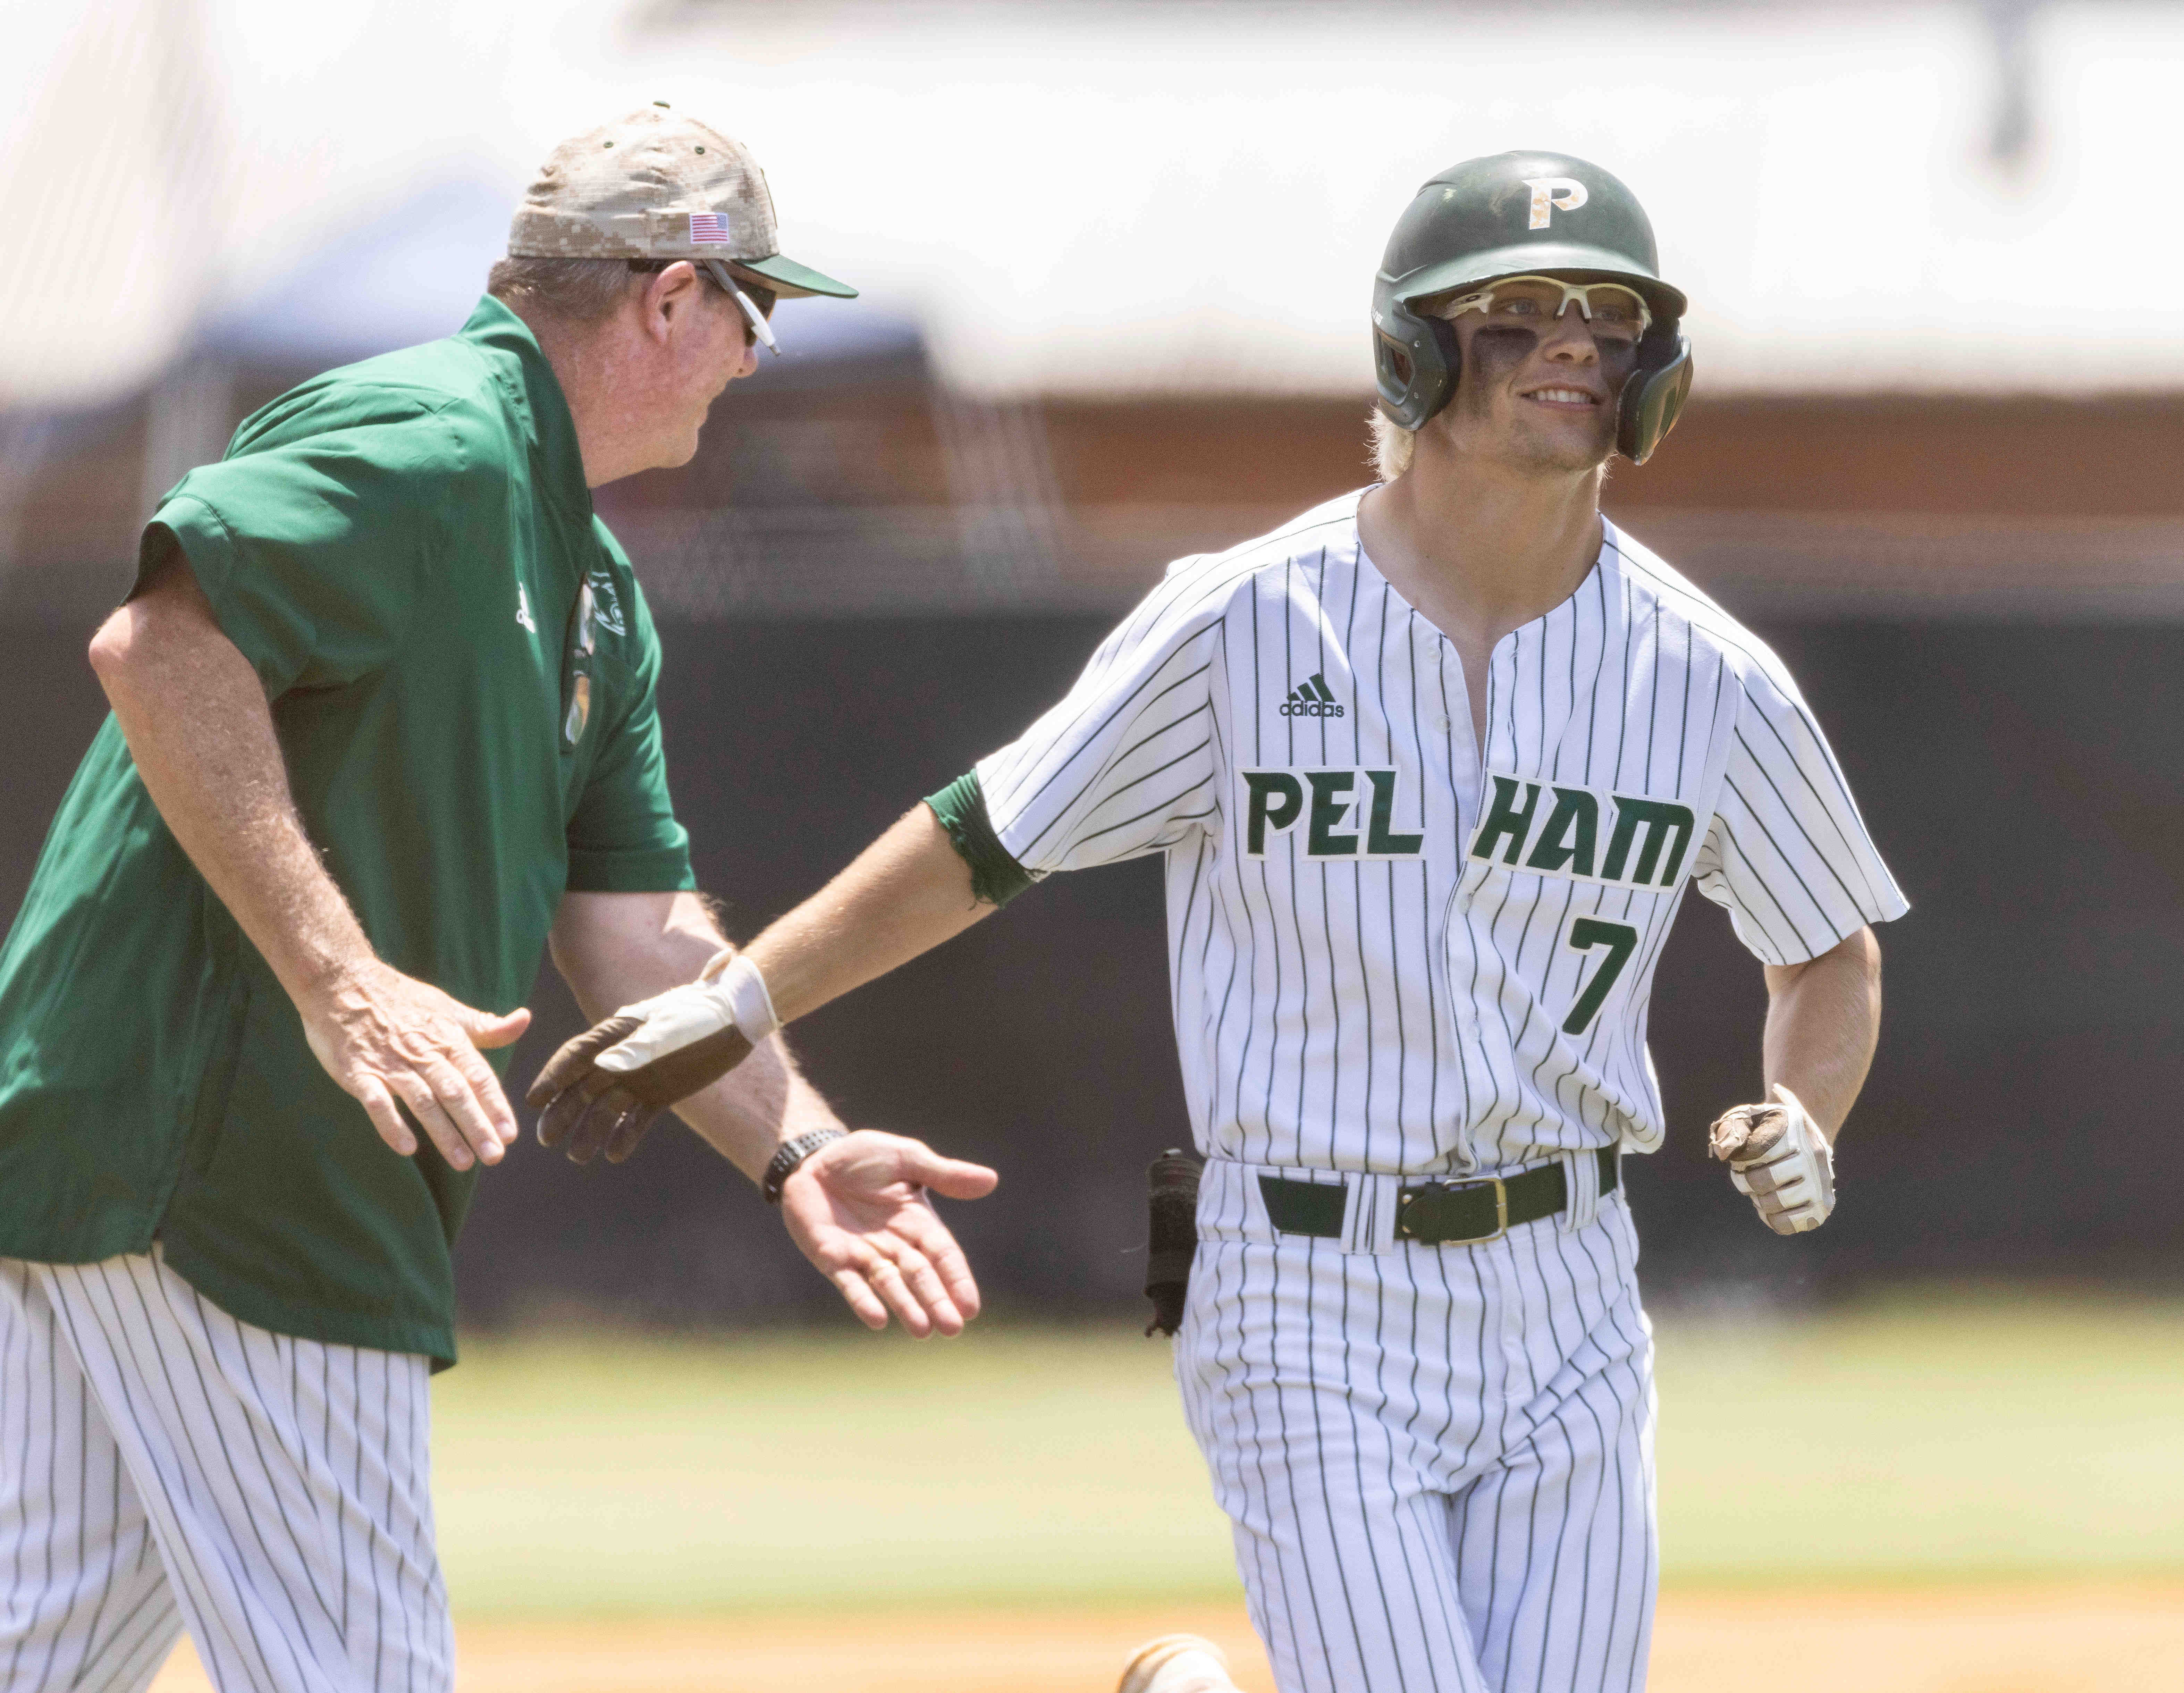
pixel 1823 1020
pixel 614 948
pixel 764 1101
pixel 905 894
pixel 195 716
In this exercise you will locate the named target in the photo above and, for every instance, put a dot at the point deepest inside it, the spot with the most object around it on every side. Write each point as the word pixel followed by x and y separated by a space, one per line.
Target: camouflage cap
pixel 656 185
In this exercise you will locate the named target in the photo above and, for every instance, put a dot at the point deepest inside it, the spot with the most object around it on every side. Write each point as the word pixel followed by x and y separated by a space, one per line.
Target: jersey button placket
pixel 1459 943
pixel 1500 679
pixel 1460 948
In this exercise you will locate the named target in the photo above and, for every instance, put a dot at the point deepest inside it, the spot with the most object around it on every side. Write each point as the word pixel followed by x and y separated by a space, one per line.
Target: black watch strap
pixel 789 1155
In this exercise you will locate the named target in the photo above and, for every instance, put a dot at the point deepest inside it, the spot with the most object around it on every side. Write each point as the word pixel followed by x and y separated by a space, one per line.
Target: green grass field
pixel 1952 1438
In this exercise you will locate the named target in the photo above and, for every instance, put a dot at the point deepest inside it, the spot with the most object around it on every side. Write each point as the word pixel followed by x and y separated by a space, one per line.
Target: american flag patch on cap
pixel 708 229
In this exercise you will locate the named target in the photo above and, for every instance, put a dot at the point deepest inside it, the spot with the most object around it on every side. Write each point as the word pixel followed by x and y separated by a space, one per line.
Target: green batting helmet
pixel 1516 215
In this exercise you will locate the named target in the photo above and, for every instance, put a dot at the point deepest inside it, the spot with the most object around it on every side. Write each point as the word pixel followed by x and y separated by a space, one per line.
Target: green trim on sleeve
pixel 996 876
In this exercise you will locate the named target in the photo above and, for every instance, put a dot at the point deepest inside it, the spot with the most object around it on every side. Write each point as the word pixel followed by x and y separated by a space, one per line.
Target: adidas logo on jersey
pixel 1351 813
pixel 1645 844
pixel 1313 698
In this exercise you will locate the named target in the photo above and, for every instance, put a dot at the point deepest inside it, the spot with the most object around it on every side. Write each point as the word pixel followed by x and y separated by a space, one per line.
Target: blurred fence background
pixel 1118 257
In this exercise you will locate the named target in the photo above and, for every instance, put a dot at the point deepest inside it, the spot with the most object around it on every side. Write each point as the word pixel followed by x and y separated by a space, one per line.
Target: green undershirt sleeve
pixel 995 876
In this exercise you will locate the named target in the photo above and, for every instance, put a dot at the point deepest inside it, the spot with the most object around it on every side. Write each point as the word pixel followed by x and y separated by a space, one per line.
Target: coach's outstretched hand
pixel 387 1037
pixel 857 1209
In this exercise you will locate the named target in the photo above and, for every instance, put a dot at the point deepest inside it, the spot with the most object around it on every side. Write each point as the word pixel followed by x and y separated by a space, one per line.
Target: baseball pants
pixel 1437 1460
pixel 163 1466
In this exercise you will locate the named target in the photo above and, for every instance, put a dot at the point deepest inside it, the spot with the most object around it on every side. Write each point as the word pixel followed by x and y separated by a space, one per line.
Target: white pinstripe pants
pixel 162 1464
pixel 1438 1461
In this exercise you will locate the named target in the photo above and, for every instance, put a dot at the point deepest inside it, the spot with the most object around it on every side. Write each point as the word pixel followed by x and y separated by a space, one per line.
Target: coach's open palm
pixel 857 1209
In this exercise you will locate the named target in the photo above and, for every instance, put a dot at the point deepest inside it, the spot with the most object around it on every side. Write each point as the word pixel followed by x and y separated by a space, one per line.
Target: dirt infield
pixel 2104 1639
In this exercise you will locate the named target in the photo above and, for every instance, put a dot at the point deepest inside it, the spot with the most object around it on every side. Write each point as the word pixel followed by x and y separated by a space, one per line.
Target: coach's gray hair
pixel 1392 445
pixel 574 290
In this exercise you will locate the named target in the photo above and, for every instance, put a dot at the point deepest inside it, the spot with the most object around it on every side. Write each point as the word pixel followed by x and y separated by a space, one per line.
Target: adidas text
pixel 1313 698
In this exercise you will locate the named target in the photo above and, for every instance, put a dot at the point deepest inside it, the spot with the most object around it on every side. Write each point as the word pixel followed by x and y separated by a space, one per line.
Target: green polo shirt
pixel 462 675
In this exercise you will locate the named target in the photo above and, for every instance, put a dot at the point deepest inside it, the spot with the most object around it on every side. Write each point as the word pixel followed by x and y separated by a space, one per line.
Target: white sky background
pixel 1092 198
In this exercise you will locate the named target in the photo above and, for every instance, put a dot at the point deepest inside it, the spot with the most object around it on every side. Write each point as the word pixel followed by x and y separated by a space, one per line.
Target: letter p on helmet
pixel 1553 194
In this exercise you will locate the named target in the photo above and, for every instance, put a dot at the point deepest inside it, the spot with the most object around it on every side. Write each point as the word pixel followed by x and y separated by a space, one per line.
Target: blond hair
pixel 1392 445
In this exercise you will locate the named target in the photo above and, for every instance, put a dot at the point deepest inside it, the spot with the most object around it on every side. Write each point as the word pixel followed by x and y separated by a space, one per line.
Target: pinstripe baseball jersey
pixel 1400 946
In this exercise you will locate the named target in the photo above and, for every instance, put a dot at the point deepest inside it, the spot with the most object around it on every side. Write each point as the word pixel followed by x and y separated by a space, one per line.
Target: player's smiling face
pixel 1538 385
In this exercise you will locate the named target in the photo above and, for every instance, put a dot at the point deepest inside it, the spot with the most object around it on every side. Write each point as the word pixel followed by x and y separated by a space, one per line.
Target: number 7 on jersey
pixel 1621 940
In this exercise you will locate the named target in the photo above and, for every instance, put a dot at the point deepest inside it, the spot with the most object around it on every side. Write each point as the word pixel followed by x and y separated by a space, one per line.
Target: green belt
pixel 1437 1213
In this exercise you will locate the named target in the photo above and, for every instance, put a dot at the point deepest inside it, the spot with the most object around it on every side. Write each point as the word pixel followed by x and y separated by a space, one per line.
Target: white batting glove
pixel 601 1090
pixel 729 993
pixel 1778 1157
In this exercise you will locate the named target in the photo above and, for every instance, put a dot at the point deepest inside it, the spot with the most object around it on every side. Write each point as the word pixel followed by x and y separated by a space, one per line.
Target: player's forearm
pixel 905 894
pixel 1823 1021
pixel 707 1047
pixel 616 949
pixel 201 734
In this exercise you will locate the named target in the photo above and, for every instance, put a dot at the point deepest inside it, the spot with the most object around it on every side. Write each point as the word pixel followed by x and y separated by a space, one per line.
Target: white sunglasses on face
pixel 1579 293
pixel 721 274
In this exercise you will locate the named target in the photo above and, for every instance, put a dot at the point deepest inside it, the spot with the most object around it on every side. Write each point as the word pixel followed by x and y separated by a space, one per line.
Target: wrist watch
pixel 790 1154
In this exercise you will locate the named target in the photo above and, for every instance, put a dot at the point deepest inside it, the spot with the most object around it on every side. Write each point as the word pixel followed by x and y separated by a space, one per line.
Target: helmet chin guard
pixel 1521 214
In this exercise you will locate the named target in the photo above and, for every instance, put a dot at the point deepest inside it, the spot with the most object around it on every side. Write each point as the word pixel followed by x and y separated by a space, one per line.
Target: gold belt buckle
pixel 1501 1210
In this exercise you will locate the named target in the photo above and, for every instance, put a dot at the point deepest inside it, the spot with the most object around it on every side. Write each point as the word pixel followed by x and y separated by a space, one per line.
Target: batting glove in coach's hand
pixel 1778 1157
pixel 601 1090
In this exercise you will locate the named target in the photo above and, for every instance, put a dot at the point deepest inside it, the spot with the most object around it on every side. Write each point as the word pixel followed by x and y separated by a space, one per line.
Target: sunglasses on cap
pixel 755 300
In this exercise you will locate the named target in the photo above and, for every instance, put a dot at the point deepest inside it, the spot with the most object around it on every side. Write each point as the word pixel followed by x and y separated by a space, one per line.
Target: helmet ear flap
pixel 1654 394
pixel 1414 363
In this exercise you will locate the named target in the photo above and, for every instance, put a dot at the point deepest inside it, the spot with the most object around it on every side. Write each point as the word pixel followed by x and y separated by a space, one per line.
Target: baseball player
pixel 383 725
pixel 1431 767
